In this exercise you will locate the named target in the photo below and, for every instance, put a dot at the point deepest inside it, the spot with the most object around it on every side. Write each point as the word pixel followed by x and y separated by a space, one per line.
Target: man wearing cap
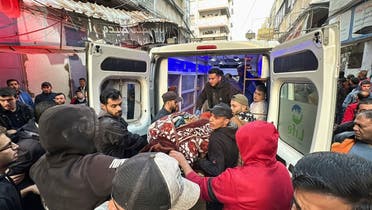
pixel 46 94
pixel 171 100
pixel 261 183
pixel 222 150
pixel 152 181
pixel 240 108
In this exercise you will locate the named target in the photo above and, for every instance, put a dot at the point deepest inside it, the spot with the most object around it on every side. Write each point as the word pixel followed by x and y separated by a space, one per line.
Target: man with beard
pixel 60 98
pixel 171 100
pixel 361 143
pixel 240 109
pixel 23 96
pixel 217 90
pixel 116 140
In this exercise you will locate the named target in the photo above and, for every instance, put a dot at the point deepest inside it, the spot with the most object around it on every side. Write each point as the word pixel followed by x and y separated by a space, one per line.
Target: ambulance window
pixel 301 61
pixel 120 64
pixel 131 99
pixel 297 115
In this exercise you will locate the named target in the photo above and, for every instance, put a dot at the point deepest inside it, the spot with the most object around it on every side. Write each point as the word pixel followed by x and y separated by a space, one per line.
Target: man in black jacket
pixel 222 149
pixel 217 90
pixel 13 114
pixel 116 140
pixel 47 94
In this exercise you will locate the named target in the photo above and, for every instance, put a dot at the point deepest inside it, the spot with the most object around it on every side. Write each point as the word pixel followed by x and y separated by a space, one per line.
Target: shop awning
pixel 121 17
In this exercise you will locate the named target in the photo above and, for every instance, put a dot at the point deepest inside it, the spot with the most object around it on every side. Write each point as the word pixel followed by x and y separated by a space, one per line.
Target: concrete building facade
pixel 211 19
pixel 292 18
pixel 44 40
pixel 355 19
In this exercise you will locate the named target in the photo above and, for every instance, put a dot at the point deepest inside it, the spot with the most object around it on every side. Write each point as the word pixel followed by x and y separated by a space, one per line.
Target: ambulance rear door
pixel 303 77
pixel 126 70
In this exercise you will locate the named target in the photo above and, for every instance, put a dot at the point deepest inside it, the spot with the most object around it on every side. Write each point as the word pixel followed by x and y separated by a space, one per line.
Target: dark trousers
pixel 213 206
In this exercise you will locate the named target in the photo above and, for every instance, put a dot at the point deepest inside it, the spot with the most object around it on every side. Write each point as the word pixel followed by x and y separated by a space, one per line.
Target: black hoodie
pixel 222 92
pixel 71 175
pixel 15 120
pixel 222 152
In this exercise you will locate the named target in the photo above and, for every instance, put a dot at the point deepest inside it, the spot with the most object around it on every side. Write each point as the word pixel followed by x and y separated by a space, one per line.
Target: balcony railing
pixel 213 35
pixel 217 21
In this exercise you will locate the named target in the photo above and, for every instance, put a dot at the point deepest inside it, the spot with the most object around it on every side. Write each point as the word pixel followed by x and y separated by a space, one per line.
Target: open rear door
pixel 303 93
pixel 126 70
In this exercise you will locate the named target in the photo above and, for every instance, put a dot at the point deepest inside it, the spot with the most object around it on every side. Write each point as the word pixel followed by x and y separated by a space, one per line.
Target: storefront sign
pixel 355 24
pixel 345 20
pixel 336 5
pixel 362 17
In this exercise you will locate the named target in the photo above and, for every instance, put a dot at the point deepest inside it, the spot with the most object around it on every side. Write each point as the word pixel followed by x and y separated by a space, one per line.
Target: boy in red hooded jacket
pixel 261 183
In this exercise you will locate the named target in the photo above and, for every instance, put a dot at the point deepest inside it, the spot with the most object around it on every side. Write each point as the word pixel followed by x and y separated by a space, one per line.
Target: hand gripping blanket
pixel 180 131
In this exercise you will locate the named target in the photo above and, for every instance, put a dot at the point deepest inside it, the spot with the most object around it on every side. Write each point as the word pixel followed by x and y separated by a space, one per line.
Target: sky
pixel 249 15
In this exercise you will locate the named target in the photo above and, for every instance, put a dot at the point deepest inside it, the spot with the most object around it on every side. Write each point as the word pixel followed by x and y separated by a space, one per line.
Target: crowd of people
pixel 64 156
pixel 353 122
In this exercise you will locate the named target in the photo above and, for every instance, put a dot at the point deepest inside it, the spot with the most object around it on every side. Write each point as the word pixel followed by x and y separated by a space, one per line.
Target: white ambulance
pixel 301 77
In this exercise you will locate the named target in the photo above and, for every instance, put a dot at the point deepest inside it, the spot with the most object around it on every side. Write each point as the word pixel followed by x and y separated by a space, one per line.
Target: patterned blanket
pixel 180 131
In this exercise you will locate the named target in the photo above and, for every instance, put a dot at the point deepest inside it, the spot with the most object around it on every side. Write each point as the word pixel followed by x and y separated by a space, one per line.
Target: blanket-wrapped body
pixel 180 131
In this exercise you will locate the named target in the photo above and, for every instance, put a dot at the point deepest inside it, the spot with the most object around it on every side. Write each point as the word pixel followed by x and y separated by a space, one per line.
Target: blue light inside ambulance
pixel 259 68
pixel 176 65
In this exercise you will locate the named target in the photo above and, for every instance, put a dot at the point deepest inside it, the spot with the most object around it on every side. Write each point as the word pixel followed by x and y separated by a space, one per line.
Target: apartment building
pixel 355 19
pixel 211 19
pixel 292 18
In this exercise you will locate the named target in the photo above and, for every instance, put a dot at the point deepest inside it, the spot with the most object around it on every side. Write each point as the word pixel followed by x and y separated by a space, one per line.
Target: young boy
pixel 79 98
pixel 259 104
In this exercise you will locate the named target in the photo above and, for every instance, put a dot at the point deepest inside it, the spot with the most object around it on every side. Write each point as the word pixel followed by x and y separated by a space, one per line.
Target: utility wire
pixel 249 14
pixel 30 32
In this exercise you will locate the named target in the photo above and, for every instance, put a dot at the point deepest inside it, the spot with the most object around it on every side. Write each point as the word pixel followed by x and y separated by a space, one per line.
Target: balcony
pixel 207 5
pixel 214 35
pixel 213 22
